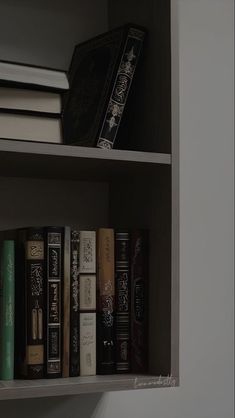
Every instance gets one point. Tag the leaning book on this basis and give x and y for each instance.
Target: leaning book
(100, 76)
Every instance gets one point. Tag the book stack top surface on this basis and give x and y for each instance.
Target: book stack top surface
(29, 75)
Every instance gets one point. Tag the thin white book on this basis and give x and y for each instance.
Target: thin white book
(87, 292)
(87, 344)
(30, 100)
(87, 302)
(31, 75)
(30, 128)
(87, 252)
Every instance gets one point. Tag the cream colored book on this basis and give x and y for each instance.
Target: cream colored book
(30, 100)
(87, 344)
(87, 252)
(30, 128)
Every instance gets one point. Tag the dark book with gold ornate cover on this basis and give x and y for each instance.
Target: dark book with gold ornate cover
(100, 77)
(123, 300)
(74, 367)
(30, 304)
(54, 274)
(139, 301)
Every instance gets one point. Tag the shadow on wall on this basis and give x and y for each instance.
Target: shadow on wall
(81, 406)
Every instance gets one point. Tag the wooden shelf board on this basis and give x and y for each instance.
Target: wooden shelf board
(22, 389)
(34, 159)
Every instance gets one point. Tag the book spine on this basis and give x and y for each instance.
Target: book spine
(54, 284)
(121, 87)
(74, 368)
(139, 301)
(35, 303)
(66, 302)
(105, 302)
(7, 303)
(87, 343)
(87, 302)
(122, 290)
(31, 300)
(87, 252)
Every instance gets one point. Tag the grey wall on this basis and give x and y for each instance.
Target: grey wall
(44, 32)
(206, 238)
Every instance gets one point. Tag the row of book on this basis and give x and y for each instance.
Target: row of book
(83, 106)
(73, 302)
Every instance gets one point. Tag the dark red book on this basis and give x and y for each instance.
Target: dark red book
(139, 301)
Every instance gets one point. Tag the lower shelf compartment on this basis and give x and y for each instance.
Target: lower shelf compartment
(22, 389)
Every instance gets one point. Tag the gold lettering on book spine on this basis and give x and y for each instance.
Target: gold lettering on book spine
(34, 354)
(34, 250)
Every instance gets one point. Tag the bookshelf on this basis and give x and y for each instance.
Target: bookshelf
(25, 159)
(138, 187)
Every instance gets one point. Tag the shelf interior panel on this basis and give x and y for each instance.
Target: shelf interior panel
(147, 204)
(29, 159)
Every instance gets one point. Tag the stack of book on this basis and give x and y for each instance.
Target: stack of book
(95, 92)
(30, 102)
(73, 302)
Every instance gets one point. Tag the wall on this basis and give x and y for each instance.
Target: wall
(206, 238)
(44, 32)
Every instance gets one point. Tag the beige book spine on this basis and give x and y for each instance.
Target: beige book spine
(87, 292)
(106, 272)
(105, 301)
(87, 301)
(87, 259)
(88, 344)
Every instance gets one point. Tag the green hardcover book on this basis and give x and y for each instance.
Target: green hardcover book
(7, 302)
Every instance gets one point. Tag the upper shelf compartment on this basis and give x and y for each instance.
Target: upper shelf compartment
(44, 160)
(146, 123)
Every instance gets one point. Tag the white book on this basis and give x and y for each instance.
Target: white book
(87, 252)
(87, 284)
(30, 75)
(30, 100)
(87, 344)
(30, 128)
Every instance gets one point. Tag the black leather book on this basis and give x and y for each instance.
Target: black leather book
(74, 305)
(30, 304)
(122, 293)
(100, 77)
(54, 275)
